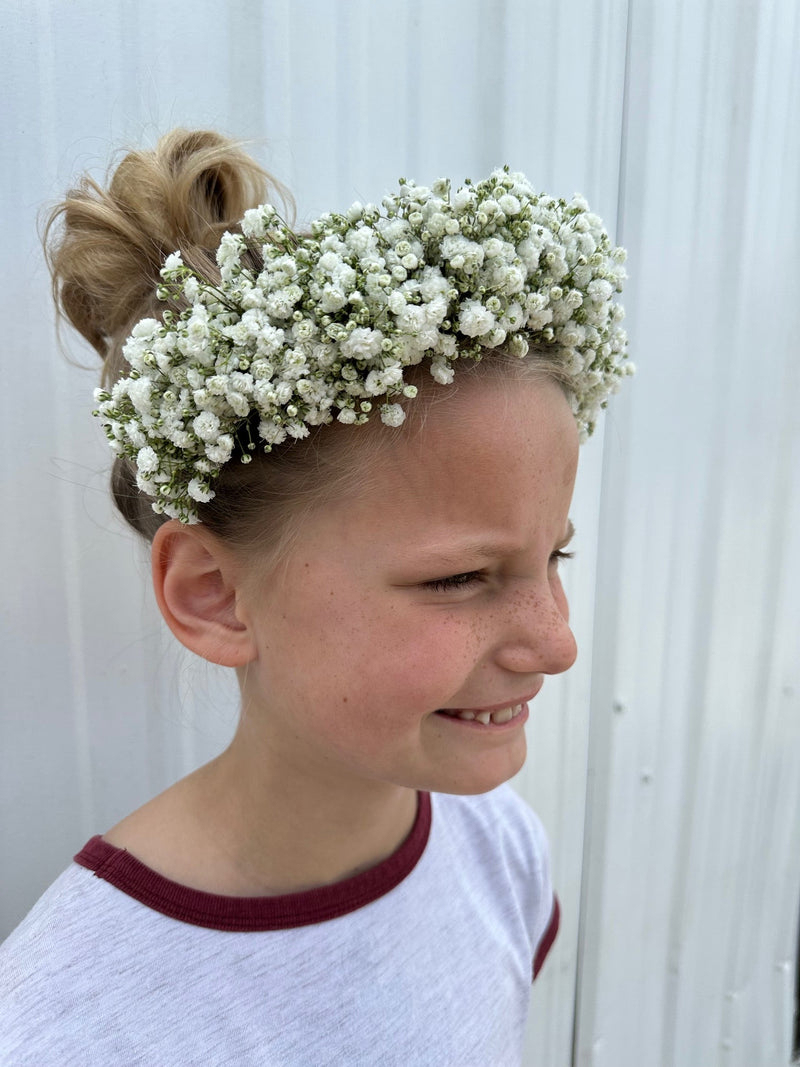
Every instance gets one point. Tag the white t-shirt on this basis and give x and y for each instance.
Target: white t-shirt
(426, 959)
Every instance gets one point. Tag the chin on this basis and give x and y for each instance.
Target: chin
(492, 772)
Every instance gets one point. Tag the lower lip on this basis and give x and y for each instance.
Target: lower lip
(490, 727)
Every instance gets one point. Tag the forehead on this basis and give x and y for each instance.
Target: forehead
(495, 456)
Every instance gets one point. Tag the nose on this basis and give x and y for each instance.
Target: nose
(536, 637)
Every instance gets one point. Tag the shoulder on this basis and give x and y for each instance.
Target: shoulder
(33, 960)
(52, 965)
(53, 918)
(498, 823)
(74, 912)
(498, 844)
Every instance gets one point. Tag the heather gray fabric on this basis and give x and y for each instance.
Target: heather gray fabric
(436, 972)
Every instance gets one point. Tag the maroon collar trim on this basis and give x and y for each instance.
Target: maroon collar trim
(122, 870)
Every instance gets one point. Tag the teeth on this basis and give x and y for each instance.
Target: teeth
(485, 717)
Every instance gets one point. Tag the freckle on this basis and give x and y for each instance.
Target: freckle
(344, 700)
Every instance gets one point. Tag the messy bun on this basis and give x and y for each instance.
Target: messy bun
(105, 248)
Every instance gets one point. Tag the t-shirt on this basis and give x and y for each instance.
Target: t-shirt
(425, 959)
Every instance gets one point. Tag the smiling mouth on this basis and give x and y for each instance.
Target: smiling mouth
(487, 718)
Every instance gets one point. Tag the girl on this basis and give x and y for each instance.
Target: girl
(353, 451)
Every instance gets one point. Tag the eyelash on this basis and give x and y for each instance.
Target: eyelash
(455, 581)
(461, 581)
(560, 555)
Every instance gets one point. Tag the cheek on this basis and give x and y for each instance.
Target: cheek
(401, 658)
(419, 651)
(380, 691)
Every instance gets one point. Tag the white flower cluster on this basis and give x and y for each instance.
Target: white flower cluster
(328, 325)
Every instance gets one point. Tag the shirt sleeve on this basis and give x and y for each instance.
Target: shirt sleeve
(547, 938)
(548, 907)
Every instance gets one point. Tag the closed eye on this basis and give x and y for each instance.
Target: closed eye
(454, 581)
(468, 578)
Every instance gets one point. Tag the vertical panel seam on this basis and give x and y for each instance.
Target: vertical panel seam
(588, 803)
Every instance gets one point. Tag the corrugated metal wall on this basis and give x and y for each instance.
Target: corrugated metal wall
(666, 766)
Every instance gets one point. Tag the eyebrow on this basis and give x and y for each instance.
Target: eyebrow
(454, 556)
(569, 533)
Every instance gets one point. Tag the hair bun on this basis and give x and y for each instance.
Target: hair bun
(105, 248)
(106, 252)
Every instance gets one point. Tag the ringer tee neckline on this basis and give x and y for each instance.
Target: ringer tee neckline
(241, 914)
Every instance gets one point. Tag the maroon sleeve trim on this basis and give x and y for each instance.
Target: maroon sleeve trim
(548, 937)
(122, 870)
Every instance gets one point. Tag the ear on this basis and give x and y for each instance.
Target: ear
(195, 582)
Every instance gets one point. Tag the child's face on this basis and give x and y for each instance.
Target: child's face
(433, 586)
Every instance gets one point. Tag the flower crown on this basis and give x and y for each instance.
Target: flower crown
(327, 326)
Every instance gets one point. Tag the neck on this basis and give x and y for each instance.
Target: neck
(250, 823)
(285, 828)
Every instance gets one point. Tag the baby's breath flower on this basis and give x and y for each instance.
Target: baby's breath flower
(140, 392)
(392, 415)
(474, 319)
(509, 205)
(147, 460)
(362, 344)
(199, 490)
(297, 429)
(462, 199)
(441, 371)
(220, 451)
(147, 329)
(173, 265)
(206, 426)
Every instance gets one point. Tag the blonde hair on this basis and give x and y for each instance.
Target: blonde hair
(105, 248)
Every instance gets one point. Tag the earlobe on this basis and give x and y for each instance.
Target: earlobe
(194, 579)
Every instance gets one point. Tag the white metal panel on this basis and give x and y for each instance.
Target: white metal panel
(694, 838)
(686, 586)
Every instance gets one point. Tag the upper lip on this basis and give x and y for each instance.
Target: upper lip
(512, 703)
